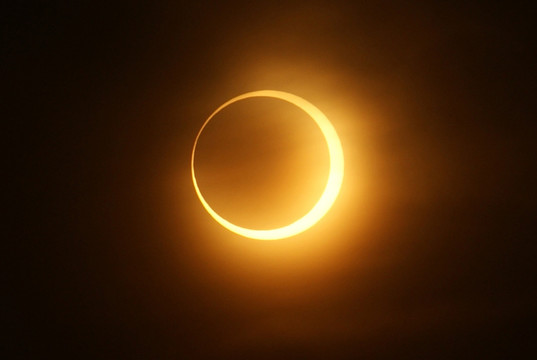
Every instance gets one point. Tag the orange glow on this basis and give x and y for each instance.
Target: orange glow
(333, 184)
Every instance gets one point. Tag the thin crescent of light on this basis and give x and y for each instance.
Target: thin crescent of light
(331, 190)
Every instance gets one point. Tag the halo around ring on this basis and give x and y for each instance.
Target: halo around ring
(333, 184)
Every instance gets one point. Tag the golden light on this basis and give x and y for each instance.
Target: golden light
(333, 184)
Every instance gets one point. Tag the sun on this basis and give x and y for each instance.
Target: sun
(333, 184)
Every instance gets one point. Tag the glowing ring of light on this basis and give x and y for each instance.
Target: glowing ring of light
(331, 189)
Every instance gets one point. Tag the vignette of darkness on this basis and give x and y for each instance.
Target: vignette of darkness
(426, 253)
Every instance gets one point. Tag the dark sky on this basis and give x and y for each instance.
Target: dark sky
(428, 252)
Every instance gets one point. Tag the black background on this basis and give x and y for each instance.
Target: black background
(100, 99)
